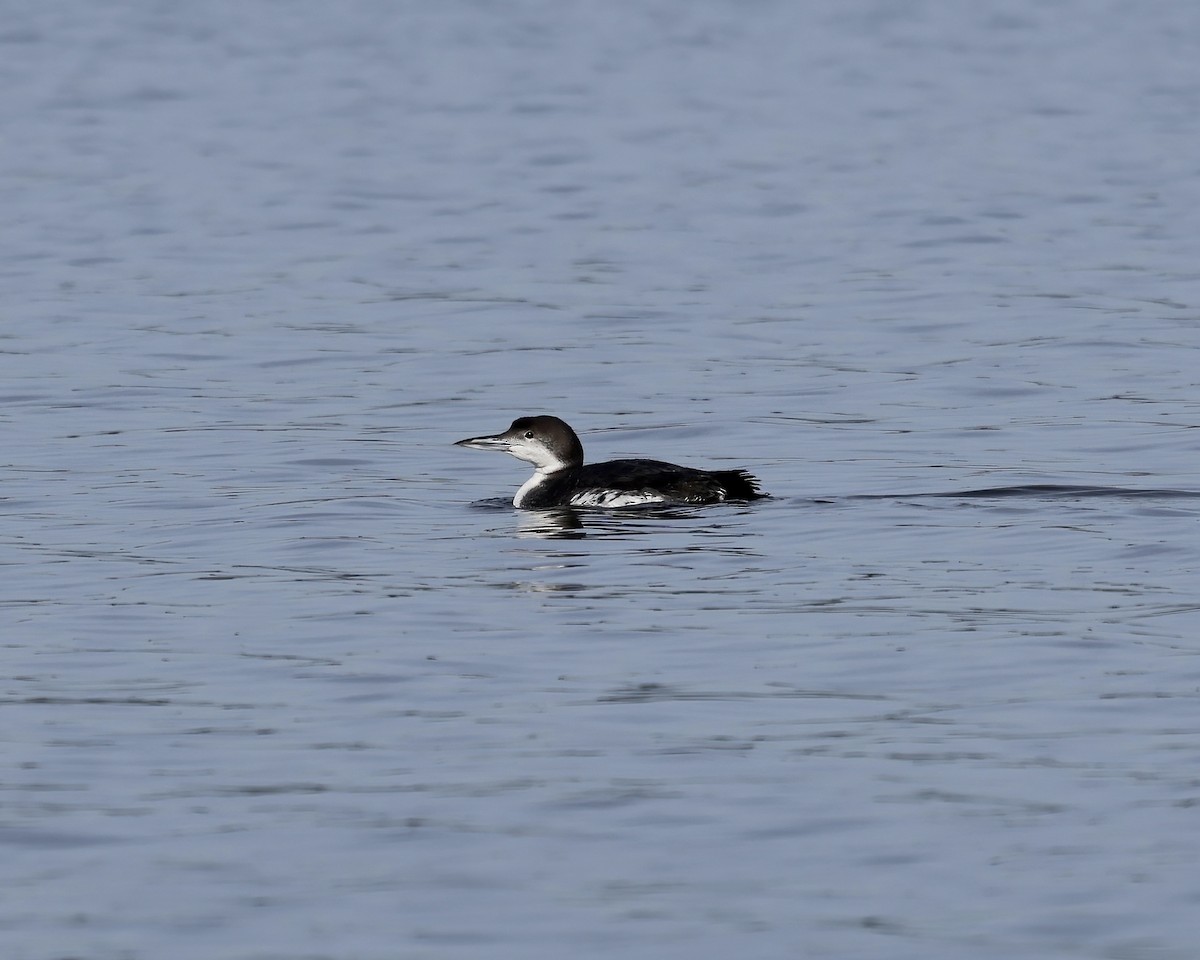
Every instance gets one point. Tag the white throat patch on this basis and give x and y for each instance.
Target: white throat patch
(538, 478)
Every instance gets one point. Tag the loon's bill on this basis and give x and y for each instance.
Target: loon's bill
(561, 479)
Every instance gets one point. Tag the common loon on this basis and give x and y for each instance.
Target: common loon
(561, 479)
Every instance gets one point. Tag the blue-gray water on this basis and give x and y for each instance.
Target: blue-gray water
(277, 686)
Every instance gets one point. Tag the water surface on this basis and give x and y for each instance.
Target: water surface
(284, 677)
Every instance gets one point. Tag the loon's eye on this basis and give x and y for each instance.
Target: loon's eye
(528, 434)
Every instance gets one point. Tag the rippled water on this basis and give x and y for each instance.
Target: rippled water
(286, 677)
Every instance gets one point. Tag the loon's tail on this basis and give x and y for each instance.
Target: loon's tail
(739, 485)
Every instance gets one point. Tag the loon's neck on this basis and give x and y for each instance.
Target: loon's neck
(540, 476)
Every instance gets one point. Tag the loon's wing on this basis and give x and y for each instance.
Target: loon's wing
(667, 481)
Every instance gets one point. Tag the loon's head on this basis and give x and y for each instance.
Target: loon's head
(546, 442)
